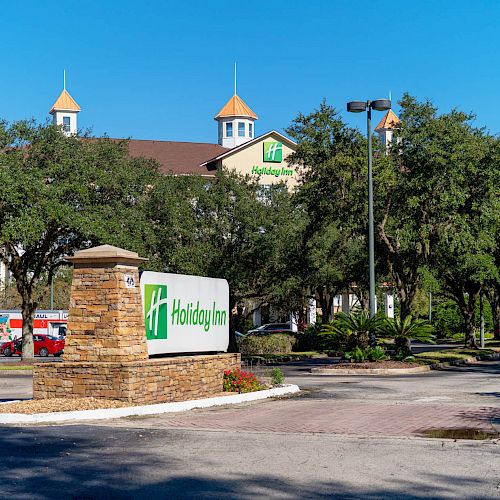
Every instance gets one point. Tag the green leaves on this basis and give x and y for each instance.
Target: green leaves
(407, 328)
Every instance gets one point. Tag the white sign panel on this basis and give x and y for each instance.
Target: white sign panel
(185, 313)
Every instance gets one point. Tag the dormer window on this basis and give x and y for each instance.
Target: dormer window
(229, 130)
(66, 123)
(241, 129)
(250, 130)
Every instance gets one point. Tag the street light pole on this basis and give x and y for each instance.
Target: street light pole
(371, 230)
(358, 107)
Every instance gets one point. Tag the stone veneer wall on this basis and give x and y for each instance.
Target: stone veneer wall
(105, 320)
(143, 382)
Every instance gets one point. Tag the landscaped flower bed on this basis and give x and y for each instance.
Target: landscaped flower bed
(238, 381)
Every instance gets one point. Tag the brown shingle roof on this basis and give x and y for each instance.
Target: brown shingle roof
(177, 157)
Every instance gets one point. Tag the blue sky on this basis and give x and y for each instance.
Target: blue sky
(163, 69)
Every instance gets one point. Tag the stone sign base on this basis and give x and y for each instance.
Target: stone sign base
(142, 382)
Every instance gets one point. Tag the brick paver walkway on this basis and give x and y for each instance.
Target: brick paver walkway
(338, 417)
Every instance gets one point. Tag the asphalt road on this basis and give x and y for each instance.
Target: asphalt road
(87, 462)
(229, 452)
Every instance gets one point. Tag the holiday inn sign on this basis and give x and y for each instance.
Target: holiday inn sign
(185, 313)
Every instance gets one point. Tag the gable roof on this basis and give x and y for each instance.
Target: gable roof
(230, 152)
(389, 121)
(235, 107)
(64, 103)
(176, 157)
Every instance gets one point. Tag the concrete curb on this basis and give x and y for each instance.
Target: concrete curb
(65, 416)
(370, 371)
(400, 371)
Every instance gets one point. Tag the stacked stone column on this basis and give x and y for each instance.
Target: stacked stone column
(105, 317)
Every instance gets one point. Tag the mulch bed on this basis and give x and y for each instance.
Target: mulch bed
(61, 404)
(51, 405)
(377, 364)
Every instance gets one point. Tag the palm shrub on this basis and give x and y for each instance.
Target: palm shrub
(354, 330)
(402, 331)
(358, 355)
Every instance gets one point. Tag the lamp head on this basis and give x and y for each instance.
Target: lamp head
(381, 104)
(356, 106)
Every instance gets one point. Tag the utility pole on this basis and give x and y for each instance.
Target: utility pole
(481, 315)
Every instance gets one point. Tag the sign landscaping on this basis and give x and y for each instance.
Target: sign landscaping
(185, 313)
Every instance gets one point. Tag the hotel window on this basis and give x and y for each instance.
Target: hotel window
(241, 129)
(250, 130)
(229, 130)
(66, 123)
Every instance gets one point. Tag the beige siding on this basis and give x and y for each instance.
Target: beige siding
(250, 160)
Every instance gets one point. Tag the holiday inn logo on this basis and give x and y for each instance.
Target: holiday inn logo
(155, 311)
(273, 151)
(184, 313)
(187, 313)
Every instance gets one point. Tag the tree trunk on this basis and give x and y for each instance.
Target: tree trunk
(28, 312)
(496, 321)
(406, 297)
(325, 302)
(403, 346)
(494, 300)
(470, 336)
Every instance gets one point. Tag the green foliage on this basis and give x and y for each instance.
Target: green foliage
(267, 344)
(358, 355)
(308, 340)
(403, 331)
(447, 319)
(332, 162)
(229, 227)
(453, 354)
(352, 330)
(278, 377)
(61, 194)
(377, 353)
(409, 328)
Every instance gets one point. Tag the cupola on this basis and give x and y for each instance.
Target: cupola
(64, 112)
(386, 126)
(236, 123)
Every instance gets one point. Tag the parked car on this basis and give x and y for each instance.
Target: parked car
(272, 328)
(43, 345)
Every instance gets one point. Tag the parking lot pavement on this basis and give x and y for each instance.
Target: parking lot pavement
(94, 462)
(456, 397)
(344, 437)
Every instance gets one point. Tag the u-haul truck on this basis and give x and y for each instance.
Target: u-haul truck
(46, 322)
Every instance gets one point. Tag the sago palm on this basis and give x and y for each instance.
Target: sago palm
(356, 328)
(403, 331)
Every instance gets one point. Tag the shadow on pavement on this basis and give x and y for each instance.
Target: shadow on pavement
(73, 462)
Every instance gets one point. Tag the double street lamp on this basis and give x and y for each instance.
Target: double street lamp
(360, 107)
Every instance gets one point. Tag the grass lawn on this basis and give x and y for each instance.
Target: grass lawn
(448, 355)
(15, 367)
